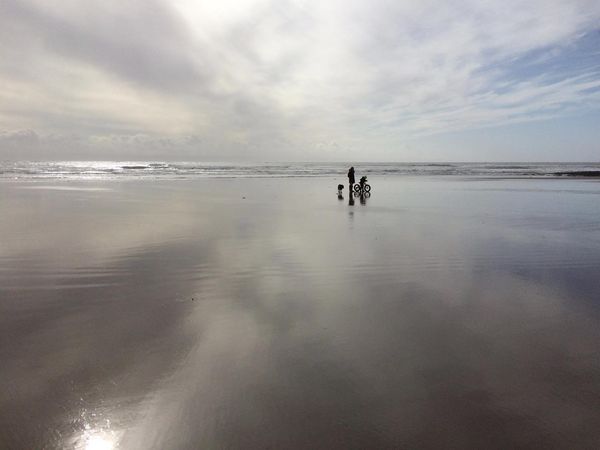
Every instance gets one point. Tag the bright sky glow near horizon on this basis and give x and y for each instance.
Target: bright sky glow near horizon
(405, 80)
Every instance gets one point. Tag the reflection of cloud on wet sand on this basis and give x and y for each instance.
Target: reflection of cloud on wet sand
(90, 355)
(406, 368)
(305, 330)
(50, 221)
(298, 352)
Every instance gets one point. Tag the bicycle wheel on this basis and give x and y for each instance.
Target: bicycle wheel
(357, 188)
(367, 188)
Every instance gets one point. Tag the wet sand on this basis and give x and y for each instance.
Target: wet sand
(267, 313)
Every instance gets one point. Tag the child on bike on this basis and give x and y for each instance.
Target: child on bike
(363, 180)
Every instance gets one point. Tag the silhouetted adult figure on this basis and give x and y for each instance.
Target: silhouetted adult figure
(351, 180)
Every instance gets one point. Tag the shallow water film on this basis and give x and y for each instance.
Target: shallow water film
(271, 313)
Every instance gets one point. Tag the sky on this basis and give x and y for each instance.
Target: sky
(300, 80)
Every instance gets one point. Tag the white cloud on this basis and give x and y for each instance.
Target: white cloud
(277, 76)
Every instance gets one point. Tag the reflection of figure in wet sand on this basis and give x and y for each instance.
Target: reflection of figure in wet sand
(362, 196)
(350, 200)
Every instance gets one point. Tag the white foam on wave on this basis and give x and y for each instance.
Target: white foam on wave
(86, 170)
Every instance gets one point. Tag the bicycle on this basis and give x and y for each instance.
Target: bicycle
(363, 187)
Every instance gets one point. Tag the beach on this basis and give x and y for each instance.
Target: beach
(439, 312)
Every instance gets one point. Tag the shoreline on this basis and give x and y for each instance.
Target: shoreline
(124, 178)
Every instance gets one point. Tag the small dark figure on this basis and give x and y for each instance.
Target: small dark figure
(363, 180)
(340, 189)
(351, 180)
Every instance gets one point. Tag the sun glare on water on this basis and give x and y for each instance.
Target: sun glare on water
(99, 443)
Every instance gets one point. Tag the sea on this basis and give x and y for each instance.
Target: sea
(98, 170)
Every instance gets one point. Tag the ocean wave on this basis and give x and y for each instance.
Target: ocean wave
(153, 169)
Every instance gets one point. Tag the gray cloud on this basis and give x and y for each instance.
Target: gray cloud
(144, 42)
(269, 79)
